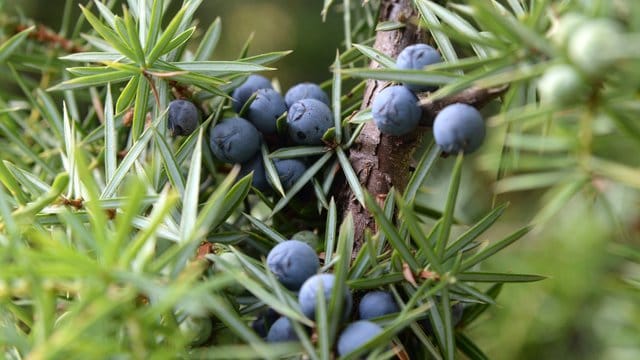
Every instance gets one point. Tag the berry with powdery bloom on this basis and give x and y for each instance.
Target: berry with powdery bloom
(255, 164)
(184, 117)
(308, 295)
(264, 321)
(243, 92)
(281, 331)
(416, 57)
(459, 127)
(566, 25)
(396, 111)
(293, 262)
(375, 304)
(308, 120)
(305, 90)
(234, 140)
(265, 109)
(356, 335)
(289, 171)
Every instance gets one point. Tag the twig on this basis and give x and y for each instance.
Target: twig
(149, 78)
(383, 161)
(474, 96)
(45, 35)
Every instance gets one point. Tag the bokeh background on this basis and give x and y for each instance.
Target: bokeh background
(584, 310)
(272, 24)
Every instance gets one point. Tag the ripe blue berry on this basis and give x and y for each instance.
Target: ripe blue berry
(396, 111)
(289, 171)
(416, 57)
(264, 321)
(255, 164)
(243, 92)
(308, 120)
(357, 334)
(183, 117)
(377, 303)
(293, 262)
(308, 295)
(459, 127)
(234, 140)
(305, 90)
(282, 330)
(265, 109)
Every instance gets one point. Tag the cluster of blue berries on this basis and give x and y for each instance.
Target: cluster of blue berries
(258, 107)
(295, 264)
(395, 109)
(457, 128)
(237, 139)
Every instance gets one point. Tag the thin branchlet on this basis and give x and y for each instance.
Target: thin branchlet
(45, 35)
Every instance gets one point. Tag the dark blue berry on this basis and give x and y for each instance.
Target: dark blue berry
(416, 57)
(396, 111)
(357, 334)
(459, 127)
(293, 262)
(308, 120)
(282, 330)
(255, 164)
(234, 140)
(308, 295)
(184, 117)
(306, 90)
(264, 321)
(243, 92)
(375, 304)
(289, 171)
(265, 109)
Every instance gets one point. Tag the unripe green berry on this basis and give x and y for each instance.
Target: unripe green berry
(562, 85)
(196, 329)
(594, 45)
(567, 24)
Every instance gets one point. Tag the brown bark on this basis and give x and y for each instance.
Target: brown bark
(382, 161)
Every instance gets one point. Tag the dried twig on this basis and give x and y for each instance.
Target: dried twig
(47, 36)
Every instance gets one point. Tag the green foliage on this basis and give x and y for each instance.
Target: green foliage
(112, 231)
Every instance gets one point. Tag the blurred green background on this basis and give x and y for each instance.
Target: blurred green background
(274, 24)
(584, 310)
